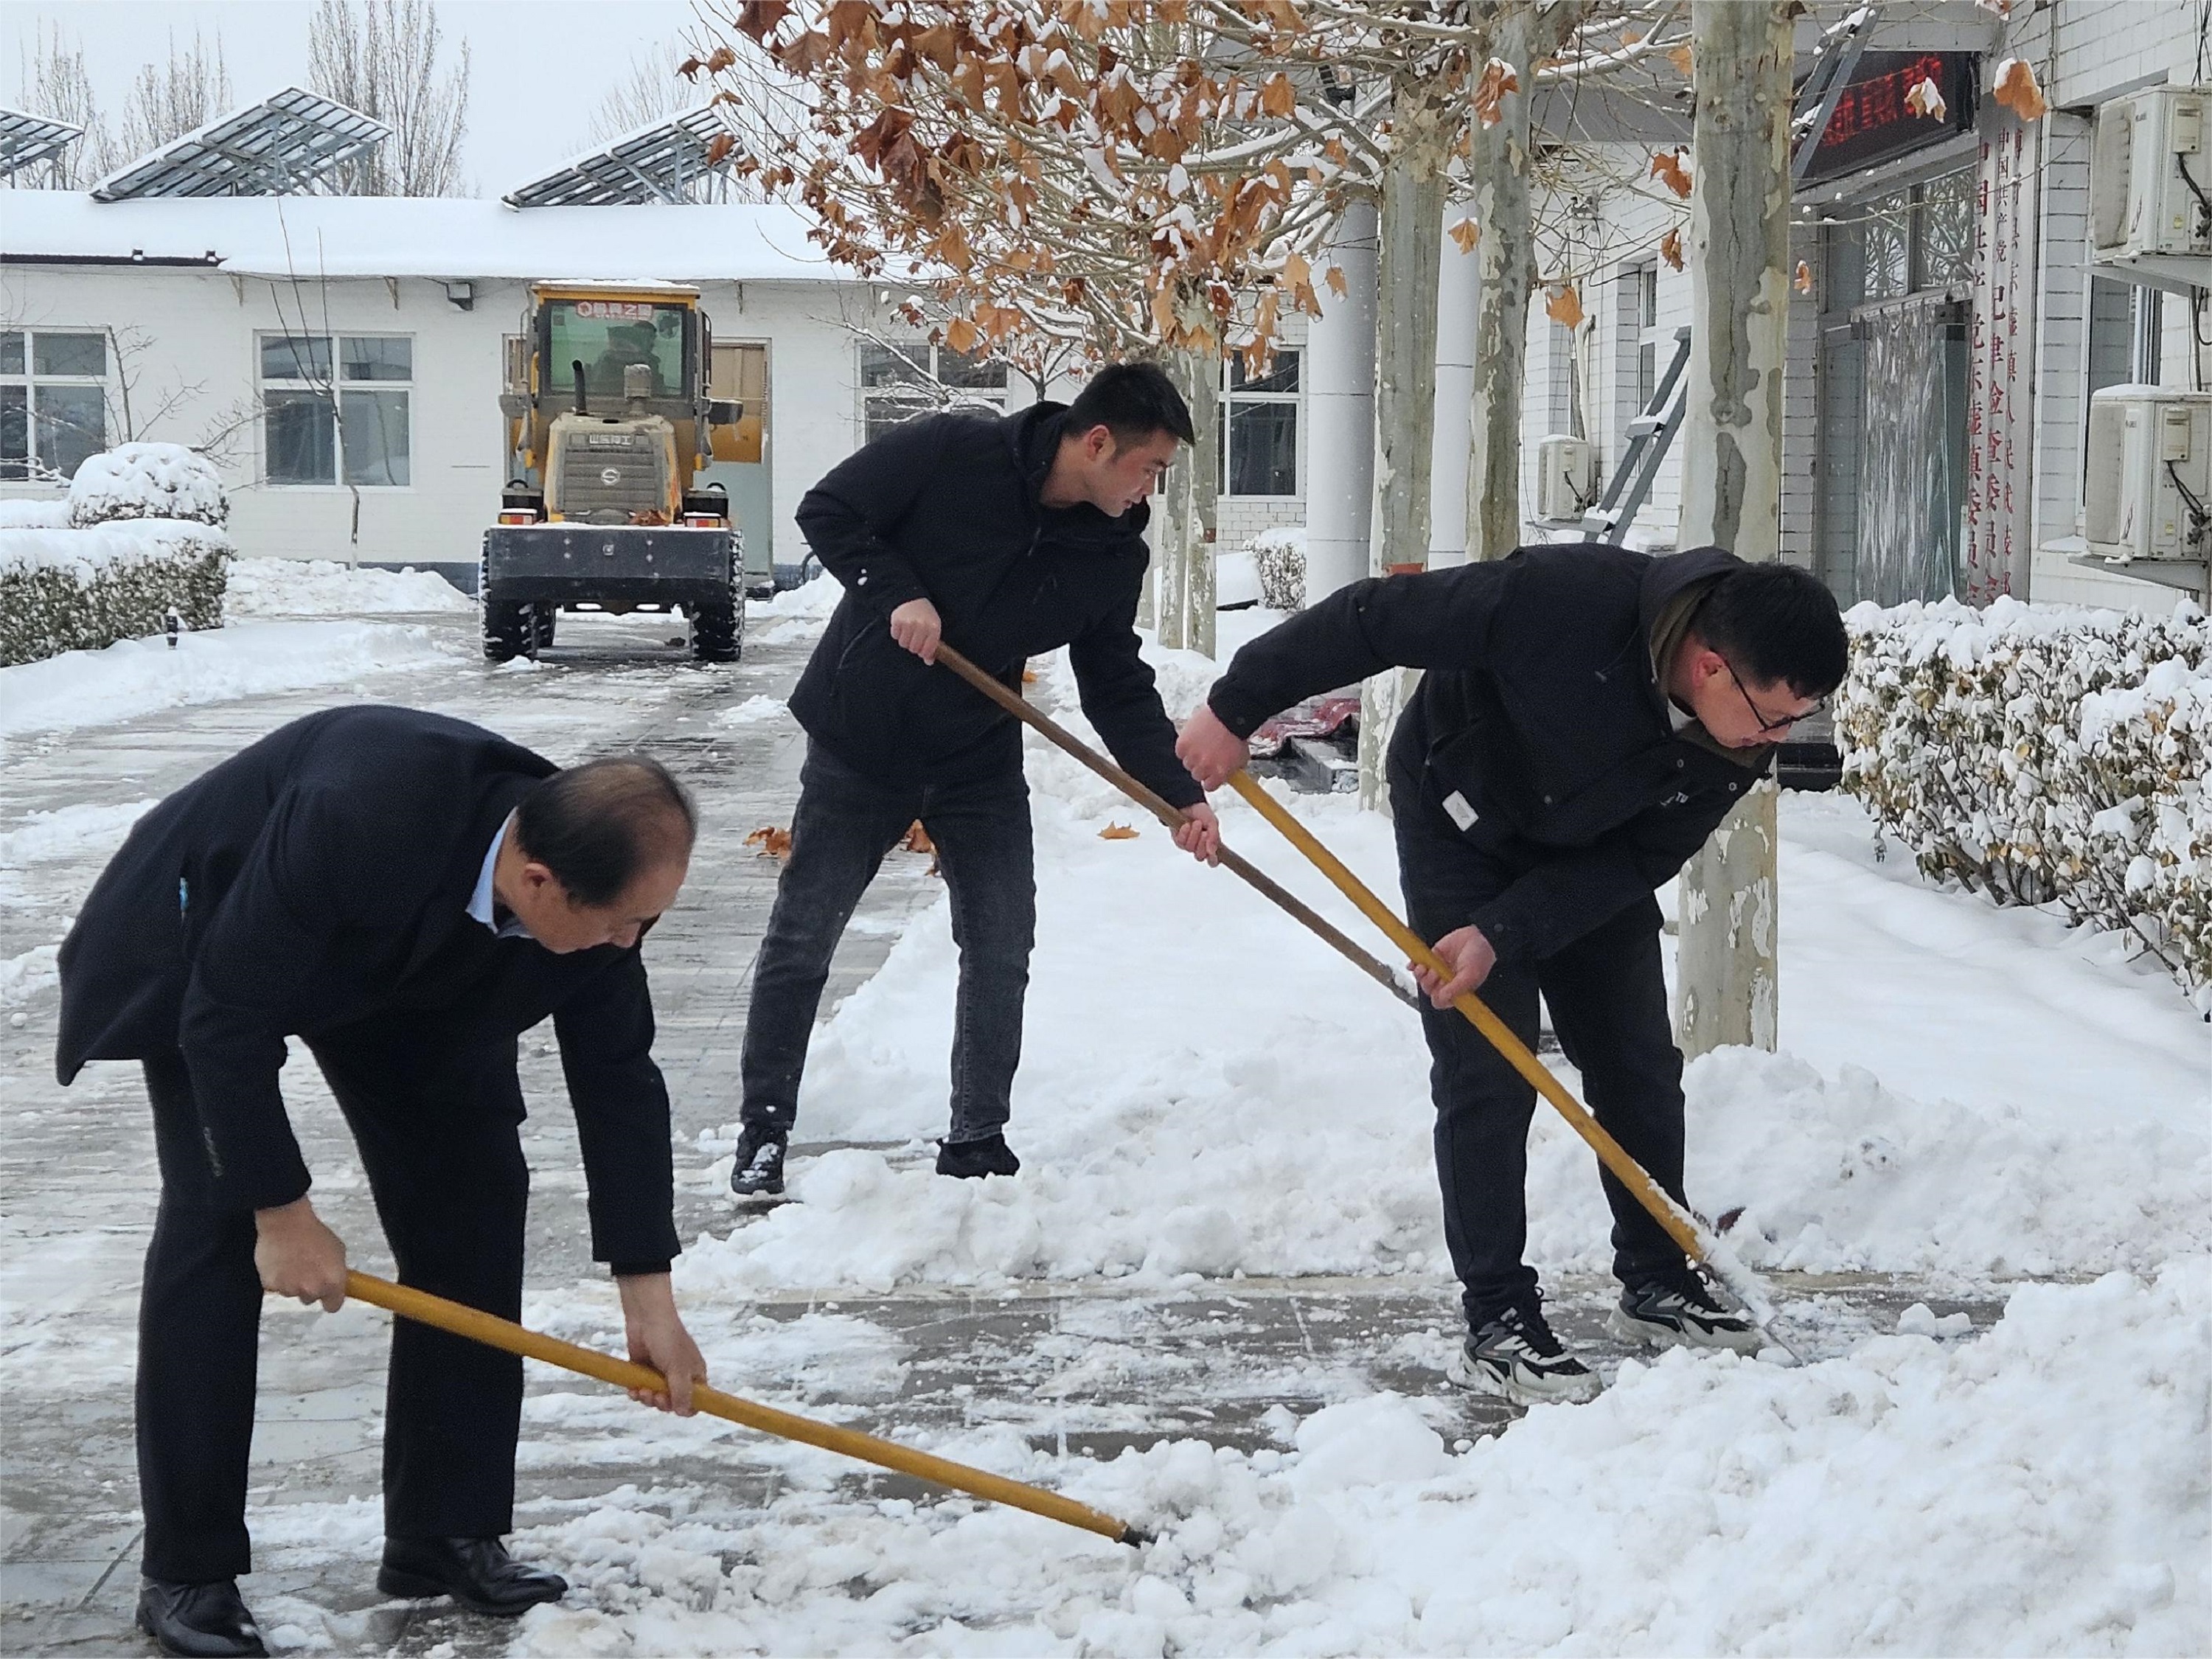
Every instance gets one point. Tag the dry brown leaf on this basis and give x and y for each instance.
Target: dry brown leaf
(1497, 79)
(1467, 233)
(917, 839)
(1566, 307)
(1277, 97)
(1667, 167)
(1670, 248)
(773, 842)
(962, 335)
(1117, 832)
(1337, 284)
(723, 144)
(2016, 89)
(1922, 99)
(1681, 58)
(1804, 282)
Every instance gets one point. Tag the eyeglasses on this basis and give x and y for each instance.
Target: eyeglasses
(1765, 725)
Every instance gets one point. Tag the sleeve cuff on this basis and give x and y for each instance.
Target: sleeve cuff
(1240, 715)
(1504, 931)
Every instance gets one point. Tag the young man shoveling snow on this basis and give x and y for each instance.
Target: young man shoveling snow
(1590, 714)
(1006, 538)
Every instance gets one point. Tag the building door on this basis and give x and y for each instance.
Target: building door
(739, 373)
(1913, 465)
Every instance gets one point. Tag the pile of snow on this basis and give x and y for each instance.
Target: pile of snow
(1236, 580)
(141, 677)
(90, 554)
(70, 832)
(323, 587)
(34, 516)
(146, 481)
(2042, 1489)
(798, 613)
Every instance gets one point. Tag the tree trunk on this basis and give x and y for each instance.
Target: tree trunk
(1499, 166)
(1412, 237)
(1185, 511)
(1726, 984)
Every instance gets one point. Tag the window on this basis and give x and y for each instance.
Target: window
(53, 402)
(607, 336)
(337, 418)
(899, 381)
(1910, 241)
(1644, 291)
(1260, 416)
(1944, 231)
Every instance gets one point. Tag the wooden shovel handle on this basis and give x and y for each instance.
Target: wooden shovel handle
(494, 1332)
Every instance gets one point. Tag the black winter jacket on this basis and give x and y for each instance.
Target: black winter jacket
(946, 508)
(1539, 713)
(316, 884)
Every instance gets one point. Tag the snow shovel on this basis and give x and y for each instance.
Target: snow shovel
(1068, 743)
(1698, 1241)
(505, 1335)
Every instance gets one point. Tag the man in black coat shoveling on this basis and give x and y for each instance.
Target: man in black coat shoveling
(1005, 538)
(1588, 716)
(406, 894)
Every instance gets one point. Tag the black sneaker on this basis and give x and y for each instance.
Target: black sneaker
(1679, 1310)
(1514, 1354)
(758, 1172)
(971, 1159)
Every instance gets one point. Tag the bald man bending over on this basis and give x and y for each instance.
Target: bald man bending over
(406, 894)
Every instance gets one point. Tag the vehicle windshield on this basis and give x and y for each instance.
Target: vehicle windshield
(608, 336)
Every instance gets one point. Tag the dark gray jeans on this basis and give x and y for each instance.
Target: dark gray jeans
(844, 825)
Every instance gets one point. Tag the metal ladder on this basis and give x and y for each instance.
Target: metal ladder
(1649, 435)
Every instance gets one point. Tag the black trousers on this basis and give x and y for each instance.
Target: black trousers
(844, 825)
(439, 1142)
(1608, 997)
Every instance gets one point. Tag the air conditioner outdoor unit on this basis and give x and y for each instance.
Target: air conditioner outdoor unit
(2150, 176)
(2149, 475)
(1563, 478)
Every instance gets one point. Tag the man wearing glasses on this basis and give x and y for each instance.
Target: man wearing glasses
(1588, 716)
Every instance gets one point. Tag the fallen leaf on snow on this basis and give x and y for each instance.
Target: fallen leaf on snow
(917, 839)
(773, 842)
(1117, 832)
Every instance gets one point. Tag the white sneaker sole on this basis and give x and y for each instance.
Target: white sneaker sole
(1480, 1379)
(1645, 1334)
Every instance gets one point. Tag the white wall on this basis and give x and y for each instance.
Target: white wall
(201, 324)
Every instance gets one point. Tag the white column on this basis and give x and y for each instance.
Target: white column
(1457, 295)
(1340, 370)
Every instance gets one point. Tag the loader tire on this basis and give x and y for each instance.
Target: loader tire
(510, 625)
(714, 630)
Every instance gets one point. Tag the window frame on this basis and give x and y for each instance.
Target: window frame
(925, 358)
(30, 378)
(331, 390)
(1233, 395)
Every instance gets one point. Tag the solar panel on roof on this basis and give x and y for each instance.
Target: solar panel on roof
(664, 162)
(25, 139)
(275, 147)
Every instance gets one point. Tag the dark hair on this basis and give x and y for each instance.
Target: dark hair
(1776, 623)
(598, 826)
(1132, 401)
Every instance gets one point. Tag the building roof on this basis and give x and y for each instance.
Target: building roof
(450, 238)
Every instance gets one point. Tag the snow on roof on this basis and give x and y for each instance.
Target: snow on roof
(452, 238)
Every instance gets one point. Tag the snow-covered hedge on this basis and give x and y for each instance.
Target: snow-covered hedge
(146, 481)
(2045, 754)
(82, 590)
(1280, 558)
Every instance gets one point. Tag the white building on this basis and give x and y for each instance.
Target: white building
(1952, 322)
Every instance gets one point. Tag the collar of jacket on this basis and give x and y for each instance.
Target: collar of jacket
(1670, 582)
(1033, 434)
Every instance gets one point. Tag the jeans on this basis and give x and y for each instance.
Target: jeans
(844, 825)
(1608, 1001)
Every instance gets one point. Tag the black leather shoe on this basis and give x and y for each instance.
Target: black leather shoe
(476, 1572)
(206, 1621)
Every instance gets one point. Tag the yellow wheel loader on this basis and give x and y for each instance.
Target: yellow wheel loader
(609, 425)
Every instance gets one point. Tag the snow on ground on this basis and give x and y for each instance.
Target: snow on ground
(323, 587)
(2042, 1490)
(136, 677)
(1949, 1102)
